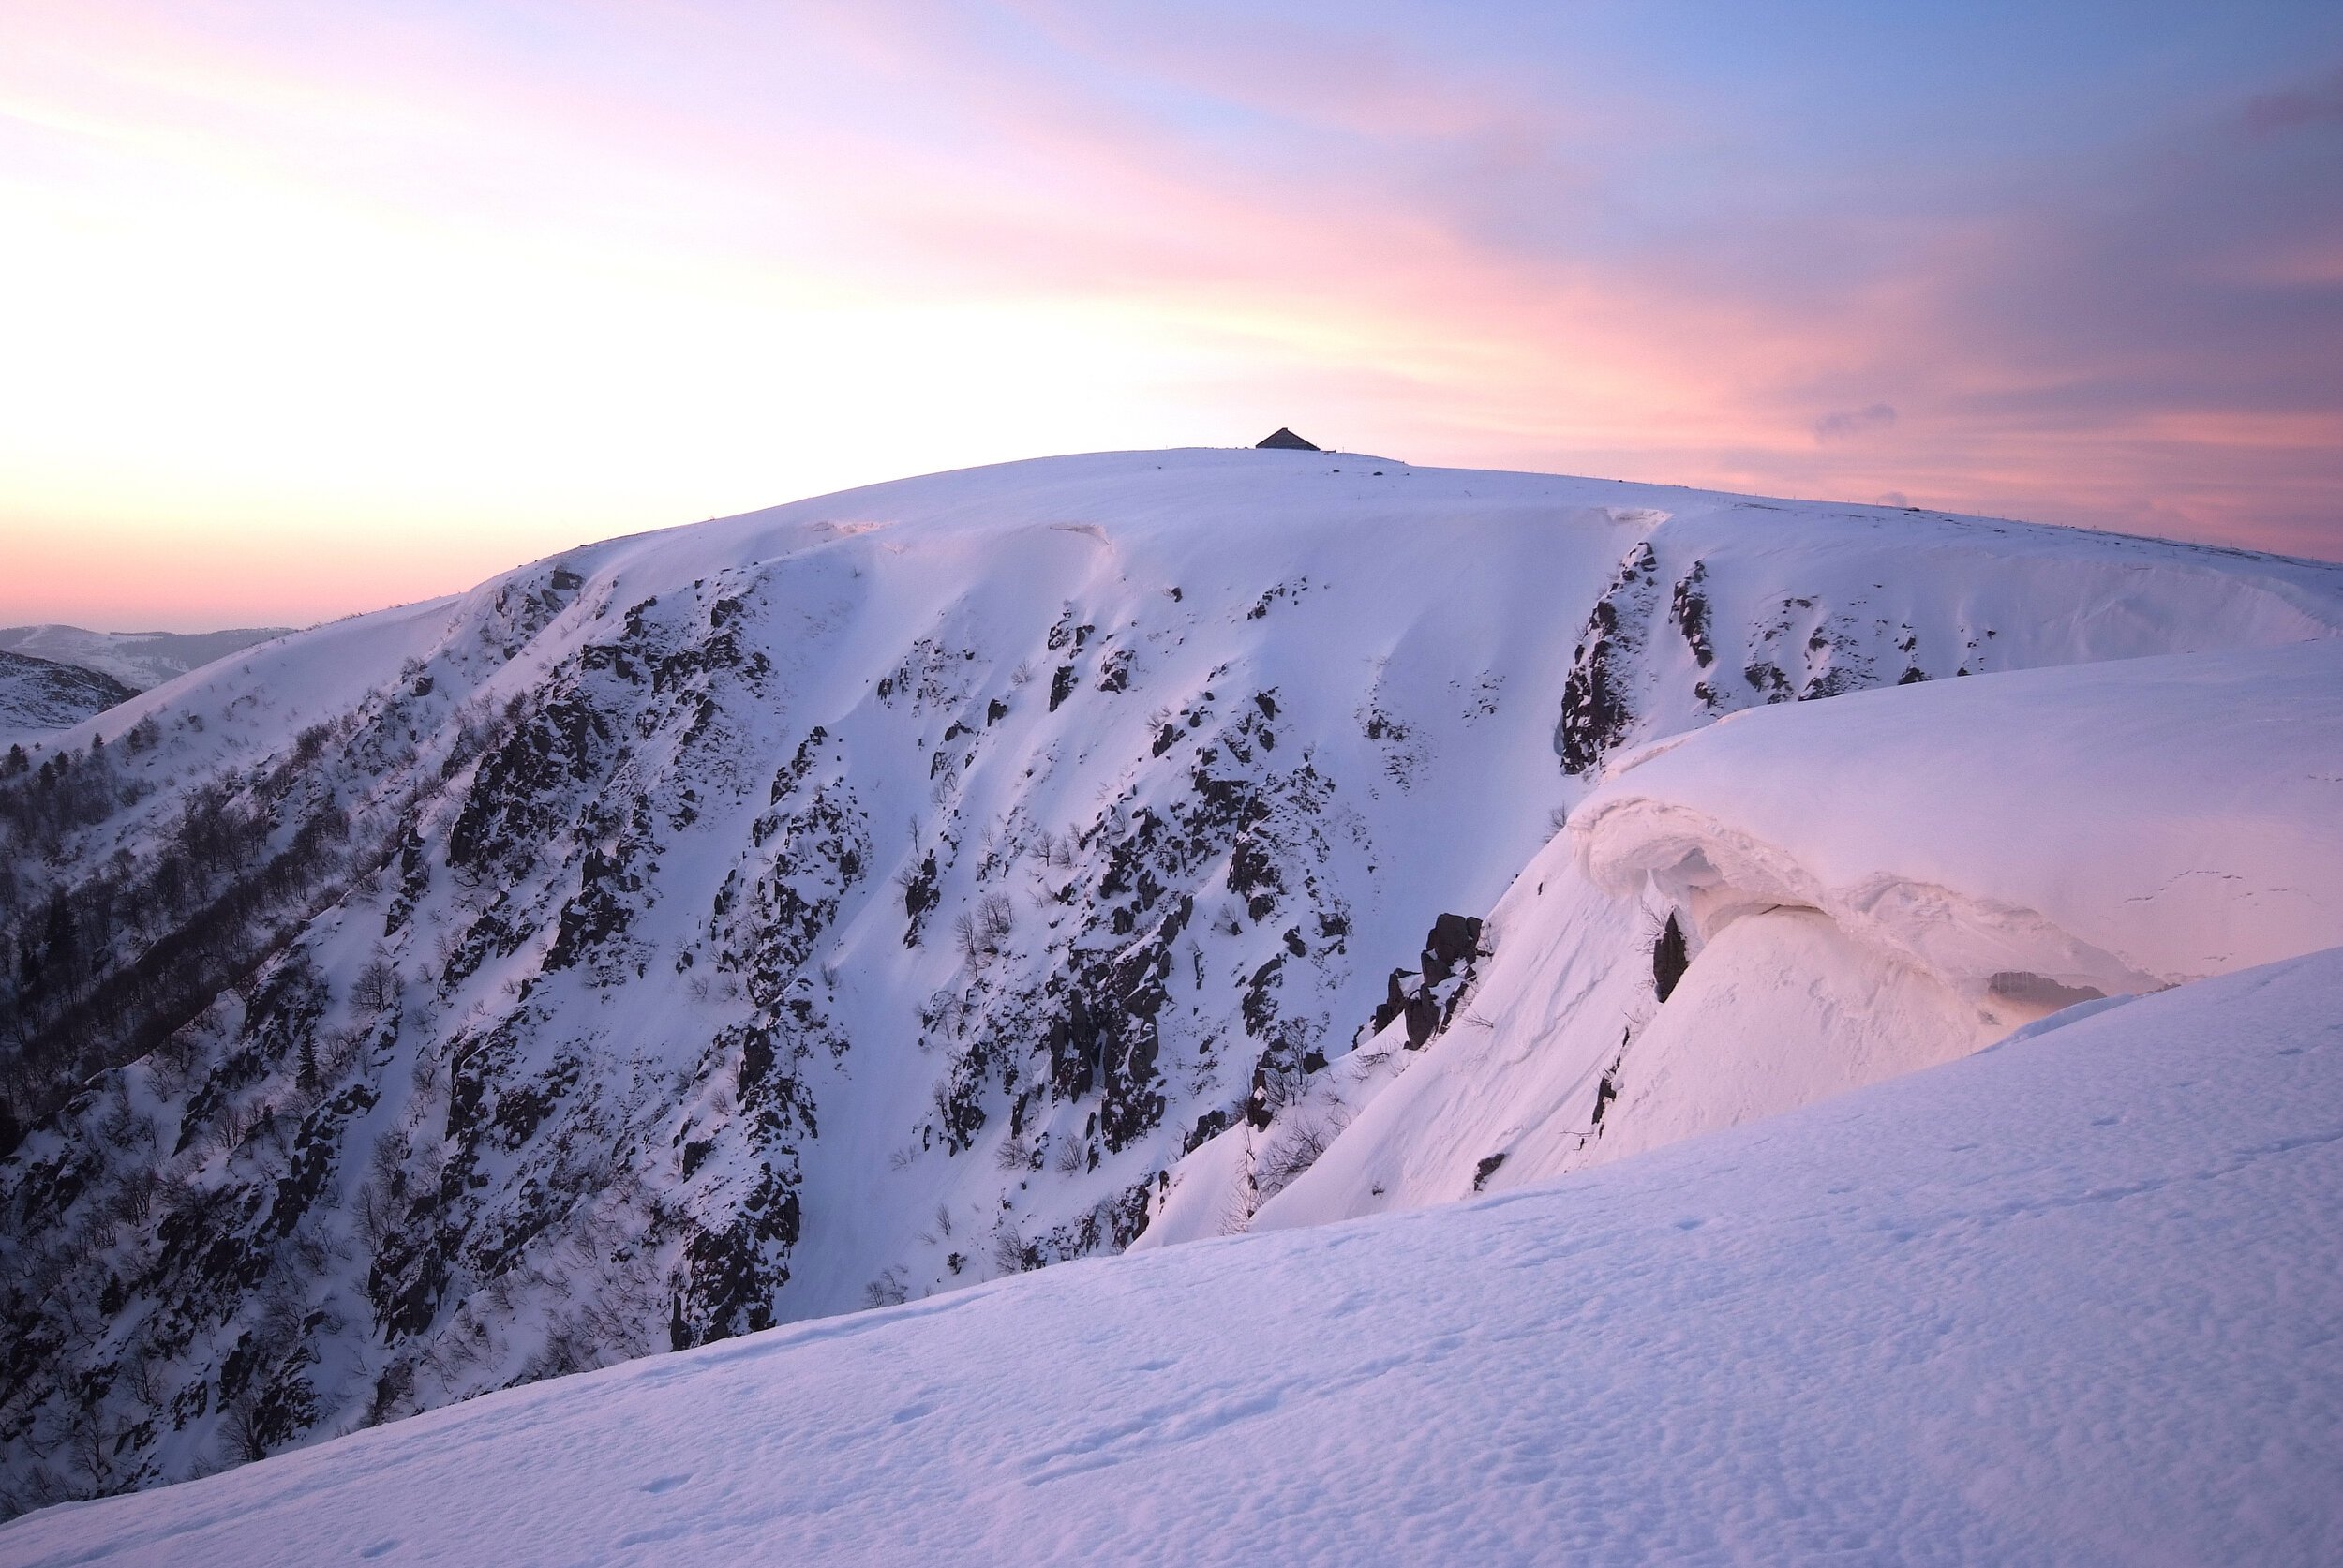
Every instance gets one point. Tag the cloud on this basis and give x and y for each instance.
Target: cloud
(2271, 112)
(1849, 423)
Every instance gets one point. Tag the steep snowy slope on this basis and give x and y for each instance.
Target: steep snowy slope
(138, 660)
(37, 696)
(1861, 888)
(844, 903)
(2071, 1300)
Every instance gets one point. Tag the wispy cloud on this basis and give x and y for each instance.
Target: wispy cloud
(1846, 424)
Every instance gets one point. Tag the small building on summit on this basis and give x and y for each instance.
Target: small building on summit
(1286, 441)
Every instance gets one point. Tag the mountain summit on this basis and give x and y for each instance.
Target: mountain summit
(842, 904)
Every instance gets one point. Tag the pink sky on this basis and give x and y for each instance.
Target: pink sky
(311, 309)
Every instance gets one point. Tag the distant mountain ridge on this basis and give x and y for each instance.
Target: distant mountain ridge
(138, 660)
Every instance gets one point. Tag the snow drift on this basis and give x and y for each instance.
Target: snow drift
(1861, 888)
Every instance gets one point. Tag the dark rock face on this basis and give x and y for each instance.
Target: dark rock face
(1284, 440)
(1595, 707)
(1427, 999)
(364, 1188)
(1668, 959)
(1629, 679)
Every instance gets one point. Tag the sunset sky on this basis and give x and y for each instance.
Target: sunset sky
(307, 308)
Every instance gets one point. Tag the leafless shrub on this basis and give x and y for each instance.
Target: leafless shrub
(142, 1374)
(236, 1125)
(1282, 1087)
(394, 1393)
(133, 1201)
(1295, 1147)
(981, 933)
(175, 1057)
(89, 1445)
(1014, 1154)
(569, 1346)
(1237, 1211)
(312, 1249)
(1008, 1249)
(377, 987)
(240, 1427)
(374, 1216)
(338, 1053)
(946, 1011)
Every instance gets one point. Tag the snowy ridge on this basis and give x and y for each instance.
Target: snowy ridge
(860, 899)
(137, 660)
(2068, 1301)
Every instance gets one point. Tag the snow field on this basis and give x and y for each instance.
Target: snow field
(2068, 1300)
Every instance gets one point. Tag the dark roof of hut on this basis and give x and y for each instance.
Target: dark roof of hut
(1286, 441)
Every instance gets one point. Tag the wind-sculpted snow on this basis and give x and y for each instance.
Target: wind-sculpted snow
(2071, 1300)
(1861, 888)
(847, 902)
(2112, 827)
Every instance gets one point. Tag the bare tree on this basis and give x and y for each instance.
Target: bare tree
(1296, 1147)
(1009, 1249)
(375, 989)
(981, 933)
(240, 1427)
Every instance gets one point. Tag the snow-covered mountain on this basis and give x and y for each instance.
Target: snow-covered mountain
(847, 902)
(138, 660)
(37, 696)
(2070, 1301)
